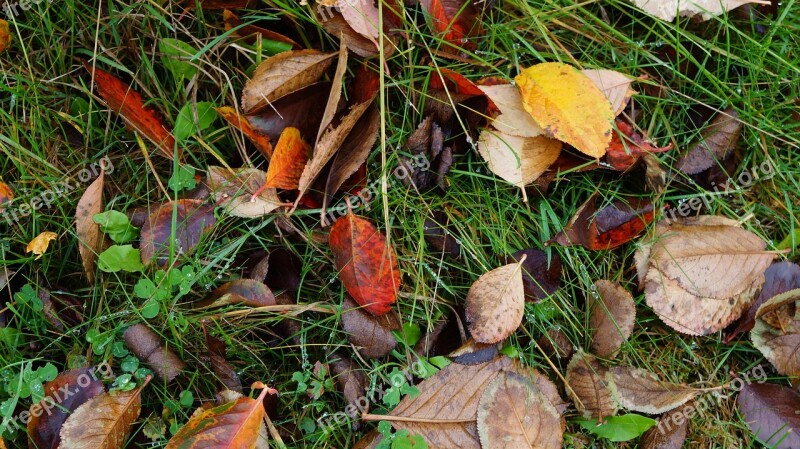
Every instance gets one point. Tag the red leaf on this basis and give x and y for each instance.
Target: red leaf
(456, 20)
(367, 265)
(128, 103)
(610, 227)
(622, 155)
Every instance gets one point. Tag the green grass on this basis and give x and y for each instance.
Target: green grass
(51, 127)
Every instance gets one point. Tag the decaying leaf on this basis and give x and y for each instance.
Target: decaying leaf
(362, 16)
(541, 275)
(40, 243)
(669, 432)
(495, 303)
(129, 104)
(614, 85)
(5, 35)
(715, 143)
(281, 74)
(366, 263)
(103, 422)
(436, 230)
(568, 106)
(627, 147)
(148, 347)
(243, 191)
(286, 165)
(591, 387)
(771, 413)
(430, 160)
(701, 273)
(556, 342)
(372, 335)
(240, 122)
(473, 353)
(669, 9)
(219, 363)
(613, 225)
(281, 269)
(513, 414)
(612, 315)
(642, 391)
(458, 20)
(249, 292)
(194, 219)
(335, 24)
(350, 380)
(777, 332)
(48, 416)
(89, 237)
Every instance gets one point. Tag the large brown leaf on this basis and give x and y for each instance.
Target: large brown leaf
(669, 433)
(771, 413)
(495, 304)
(194, 219)
(148, 347)
(642, 391)
(777, 332)
(103, 422)
(715, 143)
(590, 386)
(611, 318)
(370, 334)
(249, 292)
(89, 236)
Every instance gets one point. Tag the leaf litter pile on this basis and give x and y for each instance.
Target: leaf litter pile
(310, 187)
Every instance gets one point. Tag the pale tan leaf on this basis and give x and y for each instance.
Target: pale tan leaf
(642, 391)
(235, 190)
(89, 236)
(513, 414)
(283, 73)
(611, 319)
(669, 9)
(103, 422)
(513, 118)
(362, 16)
(336, 92)
(590, 386)
(614, 85)
(495, 304)
(777, 332)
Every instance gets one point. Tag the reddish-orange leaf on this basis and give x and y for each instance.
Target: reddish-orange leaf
(240, 122)
(249, 32)
(122, 99)
(457, 20)
(367, 265)
(622, 154)
(234, 425)
(291, 156)
(6, 194)
(610, 227)
(456, 83)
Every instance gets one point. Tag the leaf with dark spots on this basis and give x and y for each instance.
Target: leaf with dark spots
(541, 275)
(771, 413)
(249, 292)
(281, 269)
(627, 147)
(370, 334)
(716, 142)
(437, 233)
(249, 32)
(351, 381)
(63, 395)
(611, 226)
(779, 278)
(301, 109)
(147, 346)
(219, 363)
(194, 219)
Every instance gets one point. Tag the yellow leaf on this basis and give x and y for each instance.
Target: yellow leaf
(567, 105)
(40, 243)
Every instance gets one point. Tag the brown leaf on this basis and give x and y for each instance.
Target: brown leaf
(715, 143)
(350, 380)
(430, 160)
(129, 104)
(701, 273)
(147, 346)
(242, 191)
(590, 386)
(282, 74)
(249, 292)
(770, 412)
(63, 395)
(300, 109)
(541, 277)
(89, 237)
(612, 315)
(556, 342)
(670, 432)
(613, 225)
(249, 32)
(513, 414)
(335, 24)
(281, 269)
(777, 332)
(291, 156)
(495, 304)
(436, 230)
(473, 353)
(5, 41)
(372, 335)
(103, 422)
(642, 391)
(219, 363)
(240, 122)
(193, 220)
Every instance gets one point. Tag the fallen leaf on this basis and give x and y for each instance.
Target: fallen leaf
(249, 292)
(614, 85)
(642, 391)
(89, 236)
(567, 106)
(770, 412)
(194, 219)
(301, 109)
(370, 334)
(627, 147)
(669, 9)
(613, 225)
(291, 156)
(430, 160)
(541, 275)
(436, 230)
(102, 422)
(281, 269)
(611, 318)
(716, 142)
(147, 346)
(40, 243)
(5, 35)
(335, 24)
(701, 273)
(591, 387)
(62, 310)
(362, 16)
(210, 5)
(129, 104)
(473, 353)
(281, 74)
(456, 19)
(495, 303)
(367, 265)
(242, 191)
(556, 342)
(6, 195)
(63, 395)
(219, 363)
(518, 160)
(776, 332)
(670, 430)
(249, 32)
(513, 414)
(229, 426)
(350, 380)
(240, 122)
(513, 119)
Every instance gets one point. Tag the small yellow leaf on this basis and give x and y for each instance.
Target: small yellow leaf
(568, 106)
(40, 243)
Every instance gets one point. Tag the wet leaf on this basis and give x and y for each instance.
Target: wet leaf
(367, 265)
(701, 273)
(194, 219)
(370, 334)
(240, 122)
(129, 104)
(186, 125)
(627, 147)
(541, 277)
(614, 85)
(642, 391)
(242, 191)
(219, 363)
(430, 160)
(350, 380)
(619, 428)
(591, 387)
(669, 9)
(436, 230)
(568, 106)
(670, 429)
(281, 269)
(249, 292)
(89, 237)
(336, 25)
(6, 194)
(776, 332)
(456, 19)
(495, 304)
(362, 16)
(613, 225)
(148, 347)
(120, 258)
(40, 243)
(716, 142)
(612, 315)
(176, 55)
(770, 412)
(291, 156)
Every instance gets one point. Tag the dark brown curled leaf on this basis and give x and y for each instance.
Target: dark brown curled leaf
(249, 292)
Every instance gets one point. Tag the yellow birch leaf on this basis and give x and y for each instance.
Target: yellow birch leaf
(40, 243)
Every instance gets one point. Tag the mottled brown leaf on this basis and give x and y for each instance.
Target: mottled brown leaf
(219, 363)
(103, 422)
(642, 391)
(370, 334)
(611, 317)
(147, 346)
(495, 304)
(194, 219)
(301, 109)
(715, 143)
(590, 386)
(249, 292)
(777, 332)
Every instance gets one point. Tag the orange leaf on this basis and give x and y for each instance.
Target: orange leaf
(128, 103)
(240, 122)
(6, 194)
(622, 155)
(5, 35)
(291, 156)
(455, 19)
(367, 265)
